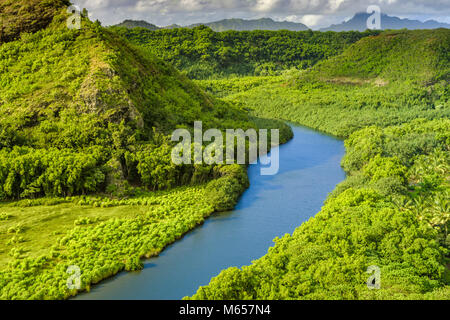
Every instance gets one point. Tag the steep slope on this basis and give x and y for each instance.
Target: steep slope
(94, 76)
(89, 94)
(18, 16)
(359, 23)
(84, 124)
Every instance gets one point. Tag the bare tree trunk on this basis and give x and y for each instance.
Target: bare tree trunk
(1, 28)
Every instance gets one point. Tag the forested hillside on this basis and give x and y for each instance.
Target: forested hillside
(85, 123)
(383, 80)
(388, 95)
(202, 53)
(421, 57)
(90, 97)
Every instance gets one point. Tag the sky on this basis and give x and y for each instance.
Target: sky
(314, 13)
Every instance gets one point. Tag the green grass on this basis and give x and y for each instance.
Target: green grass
(44, 225)
(39, 242)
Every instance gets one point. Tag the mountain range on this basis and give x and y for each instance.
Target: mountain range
(226, 24)
(248, 25)
(357, 23)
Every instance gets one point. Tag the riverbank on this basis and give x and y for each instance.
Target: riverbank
(102, 236)
(391, 212)
(271, 207)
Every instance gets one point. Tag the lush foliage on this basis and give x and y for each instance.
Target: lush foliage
(383, 80)
(419, 56)
(66, 92)
(392, 211)
(111, 237)
(26, 172)
(202, 53)
(85, 112)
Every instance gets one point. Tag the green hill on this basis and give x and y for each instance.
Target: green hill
(421, 56)
(85, 119)
(73, 91)
(130, 24)
(381, 80)
(93, 75)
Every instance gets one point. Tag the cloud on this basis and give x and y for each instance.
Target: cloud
(312, 20)
(311, 12)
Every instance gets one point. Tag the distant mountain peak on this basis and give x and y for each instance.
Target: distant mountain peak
(359, 23)
(137, 24)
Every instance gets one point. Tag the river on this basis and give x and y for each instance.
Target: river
(271, 207)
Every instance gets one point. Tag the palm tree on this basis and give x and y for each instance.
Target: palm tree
(441, 208)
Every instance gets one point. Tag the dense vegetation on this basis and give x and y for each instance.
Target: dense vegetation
(85, 131)
(388, 95)
(86, 177)
(382, 80)
(18, 16)
(202, 53)
(391, 212)
(99, 235)
(69, 93)
(359, 22)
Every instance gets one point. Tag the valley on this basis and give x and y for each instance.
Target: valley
(88, 182)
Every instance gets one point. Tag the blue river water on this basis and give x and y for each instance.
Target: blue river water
(271, 207)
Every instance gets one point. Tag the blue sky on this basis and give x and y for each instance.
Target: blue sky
(314, 13)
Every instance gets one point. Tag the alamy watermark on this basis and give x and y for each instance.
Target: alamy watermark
(374, 21)
(235, 144)
(74, 281)
(374, 281)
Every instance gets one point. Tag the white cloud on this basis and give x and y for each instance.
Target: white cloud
(313, 20)
(265, 5)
